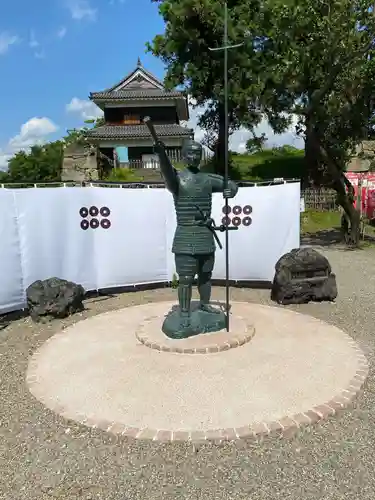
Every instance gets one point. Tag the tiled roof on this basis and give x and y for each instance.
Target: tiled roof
(135, 94)
(137, 131)
(129, 75)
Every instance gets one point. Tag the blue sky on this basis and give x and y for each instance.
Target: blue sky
(54, 52)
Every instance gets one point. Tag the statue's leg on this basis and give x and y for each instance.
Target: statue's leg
(186, 267)
(205, 268)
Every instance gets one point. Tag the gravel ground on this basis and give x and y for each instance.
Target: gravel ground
(43, 456)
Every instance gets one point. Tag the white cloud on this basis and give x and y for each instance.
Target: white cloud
(34, 131)
(289, 137)
(61, 32)
(237, 141)
(33, 42)
(6, 41)
(87, 110)
(81, 10)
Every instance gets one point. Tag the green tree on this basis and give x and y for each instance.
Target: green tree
(78, 135)
(321, 67)
(41, 164)
(4, 177)
(96, 122)
(192, 27)
(256, 143)
(312, 59)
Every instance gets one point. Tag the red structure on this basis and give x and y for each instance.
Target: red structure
(364, 185)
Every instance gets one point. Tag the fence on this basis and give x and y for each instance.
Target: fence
(126, 185)
(321, 200)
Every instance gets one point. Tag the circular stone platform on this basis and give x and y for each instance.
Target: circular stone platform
(150, 334)
(296, 370)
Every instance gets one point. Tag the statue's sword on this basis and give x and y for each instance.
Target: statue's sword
(210, 224)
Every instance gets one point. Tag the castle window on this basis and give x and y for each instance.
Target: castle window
(131, 119)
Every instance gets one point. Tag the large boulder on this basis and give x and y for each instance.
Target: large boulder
(54, 298)
(301, 276)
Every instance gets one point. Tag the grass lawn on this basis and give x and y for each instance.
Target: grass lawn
(323, 228)
(313, 222)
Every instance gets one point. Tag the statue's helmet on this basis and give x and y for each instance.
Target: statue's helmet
(191, 151)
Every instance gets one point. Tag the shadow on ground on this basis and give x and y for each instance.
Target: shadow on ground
(324, 238)
(330, 238)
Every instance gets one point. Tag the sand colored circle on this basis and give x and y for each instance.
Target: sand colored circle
(295, 370)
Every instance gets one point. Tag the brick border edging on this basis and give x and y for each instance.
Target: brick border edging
(284, 427)
(235, 341)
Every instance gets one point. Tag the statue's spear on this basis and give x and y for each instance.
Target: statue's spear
(225, 48)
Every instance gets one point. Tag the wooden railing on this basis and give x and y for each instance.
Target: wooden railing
(153, 164)
(139, 164)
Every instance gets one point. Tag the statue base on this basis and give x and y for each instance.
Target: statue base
(200, 322)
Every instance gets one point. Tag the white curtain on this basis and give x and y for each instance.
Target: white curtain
(108, 237)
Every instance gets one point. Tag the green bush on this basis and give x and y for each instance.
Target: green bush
(4, 177)
(286, 162)
(123, 175)
(212, 167)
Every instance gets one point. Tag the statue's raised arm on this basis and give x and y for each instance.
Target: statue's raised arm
(169, 173)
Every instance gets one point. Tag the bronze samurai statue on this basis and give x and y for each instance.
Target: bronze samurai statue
(194, 239)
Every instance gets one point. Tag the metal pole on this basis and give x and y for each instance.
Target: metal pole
(226, 163)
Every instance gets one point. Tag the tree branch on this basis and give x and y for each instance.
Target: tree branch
(318, 94)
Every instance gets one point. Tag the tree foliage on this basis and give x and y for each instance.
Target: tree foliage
(321, 57)
(312, 59)
(192, 28)
(256, 143)
(40, 164)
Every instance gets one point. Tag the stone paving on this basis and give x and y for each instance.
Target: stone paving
(295, 371)
(43, 456)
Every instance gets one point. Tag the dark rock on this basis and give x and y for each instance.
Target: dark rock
(54, 298)
(303, 275)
